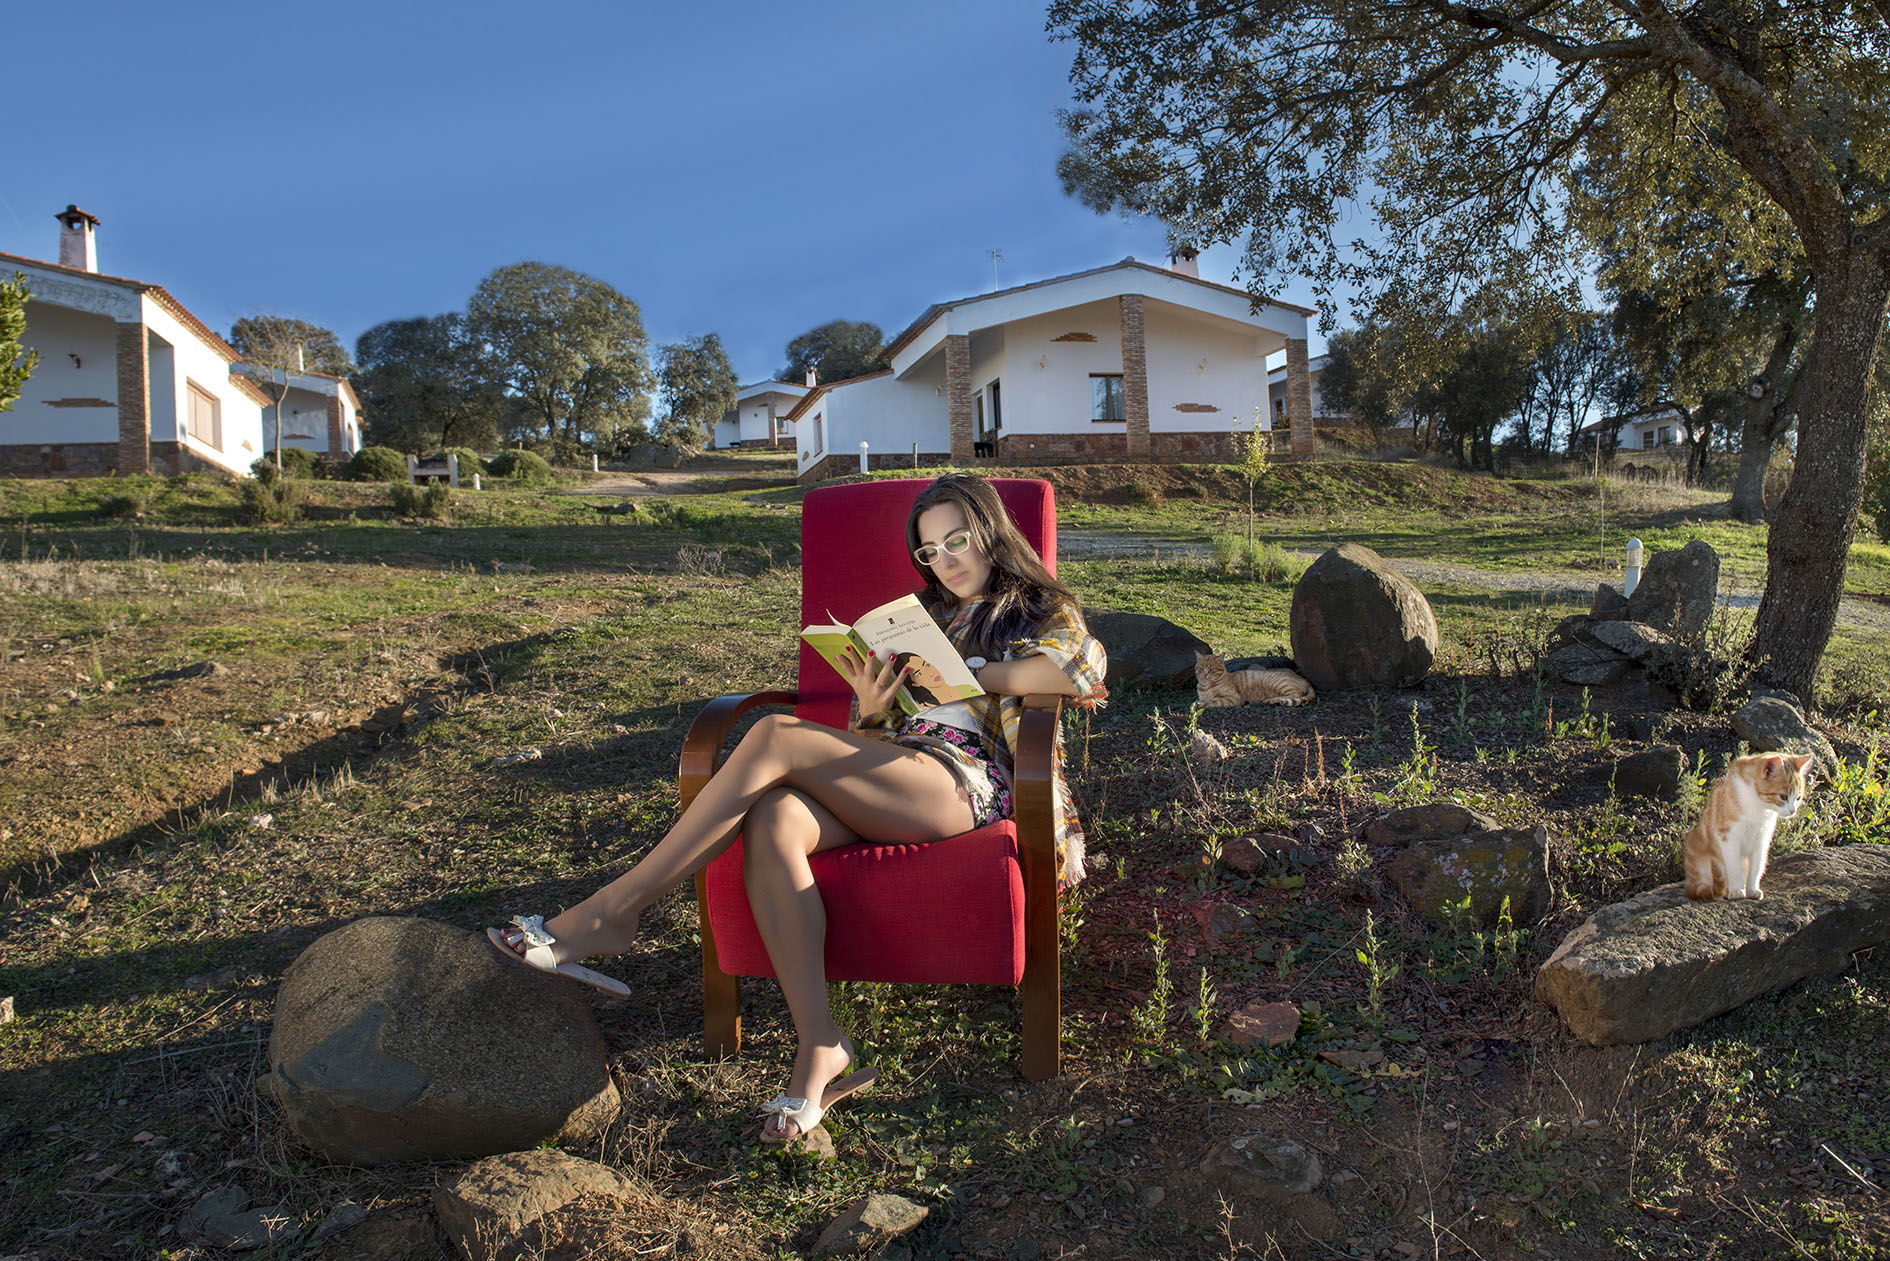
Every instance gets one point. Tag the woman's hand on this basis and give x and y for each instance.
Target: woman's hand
(874, 681)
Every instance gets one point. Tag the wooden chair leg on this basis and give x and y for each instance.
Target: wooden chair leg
(1042, 998)
(721, 993)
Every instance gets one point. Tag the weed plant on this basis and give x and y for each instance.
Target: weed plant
(432, 502)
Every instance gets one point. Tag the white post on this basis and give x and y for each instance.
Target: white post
(862, 457)
(1633, 577)
(452, 469)
(915, 455)
(593, 461)
(475, 481)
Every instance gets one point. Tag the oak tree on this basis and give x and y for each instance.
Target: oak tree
(699, 388)
(835, 351)
(1467, 133)
(280, 335)
(423, 386)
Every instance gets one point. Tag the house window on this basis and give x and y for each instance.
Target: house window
(1666, 437)
(997, 409)
(1647, 440)
(1106, 399)
(204, 422)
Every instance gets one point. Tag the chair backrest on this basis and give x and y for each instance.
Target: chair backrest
(853, 558)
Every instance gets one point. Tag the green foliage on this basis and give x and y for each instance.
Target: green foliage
(1150, 1020)
(434, 502)
(835, 351)
(129, 504)
(295, 462)
(271, 340)
(521, 466)
(568, 347)
(273, 503)
(377, 464)
(1378, 972)
(1877, 498)
(699, 387)
(15, 365)
(424, 384)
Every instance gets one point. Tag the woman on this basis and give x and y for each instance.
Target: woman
(793, 788)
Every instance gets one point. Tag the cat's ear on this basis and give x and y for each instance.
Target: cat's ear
(1774, 765)
(1803, 762)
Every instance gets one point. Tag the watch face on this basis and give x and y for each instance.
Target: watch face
(976, 663)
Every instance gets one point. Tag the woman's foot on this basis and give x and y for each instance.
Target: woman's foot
(528, 940)
(794, 1115)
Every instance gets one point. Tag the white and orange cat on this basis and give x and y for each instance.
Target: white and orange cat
(1217, 686)
(1725, 852)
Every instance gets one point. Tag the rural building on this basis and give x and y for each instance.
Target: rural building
(760, 416)
(1648, 430)
(320, 412)
(129, 381)
(1276, 394)
(1129, 362)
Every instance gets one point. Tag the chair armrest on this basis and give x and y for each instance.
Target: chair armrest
(702, 747)
(1032, 772)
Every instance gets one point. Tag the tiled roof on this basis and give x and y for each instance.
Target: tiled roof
(158, 294)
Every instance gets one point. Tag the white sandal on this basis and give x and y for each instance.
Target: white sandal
(526, 940)
(785, 1108)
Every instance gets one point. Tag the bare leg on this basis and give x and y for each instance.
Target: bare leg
(874, 788)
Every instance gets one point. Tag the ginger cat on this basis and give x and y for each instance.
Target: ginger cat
(1217, 686)
(1725, 852)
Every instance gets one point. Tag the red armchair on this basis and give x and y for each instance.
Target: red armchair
(978, 908)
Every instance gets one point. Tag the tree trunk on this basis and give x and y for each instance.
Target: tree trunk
(1768, 417)
(1810, 540)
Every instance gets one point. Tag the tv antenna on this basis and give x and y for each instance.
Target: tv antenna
(997, 256)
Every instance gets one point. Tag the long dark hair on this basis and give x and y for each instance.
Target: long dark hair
(1021, 593)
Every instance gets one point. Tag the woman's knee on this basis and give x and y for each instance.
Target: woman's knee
(777, 829)
(769, 738)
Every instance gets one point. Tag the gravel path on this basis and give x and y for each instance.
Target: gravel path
(1569, 583)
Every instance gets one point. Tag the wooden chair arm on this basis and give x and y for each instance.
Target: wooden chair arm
(702, 747)
(1035, 809)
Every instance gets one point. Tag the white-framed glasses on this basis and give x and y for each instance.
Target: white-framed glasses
(951, 545)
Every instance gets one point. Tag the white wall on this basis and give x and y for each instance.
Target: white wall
(303, 412)
(240, 415)
(1194, 361)
(888, 414)
(59, 333)
(1046, 389)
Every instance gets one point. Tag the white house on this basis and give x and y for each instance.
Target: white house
(760, 416)
(320, 412)
(1276, 393)
(1664, 425)
(1130, 362)
(129, 381)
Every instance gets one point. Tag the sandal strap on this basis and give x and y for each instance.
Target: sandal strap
(783, 1105)
(532, 928)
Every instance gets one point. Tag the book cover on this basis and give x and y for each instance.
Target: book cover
(903, 631)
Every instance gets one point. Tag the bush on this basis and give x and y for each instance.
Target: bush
(1231, 554)
(521, 466)
(126, 505)
(265, 471)
(377, 464)
(434, 502)
(275, 502)
(469, 461)
(296, 462)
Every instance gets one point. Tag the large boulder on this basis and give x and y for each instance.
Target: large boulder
(1432, 821)
(1657, 963)
(1476, 875)
(1144, 650)
(1772, 725)
(1677, 590)
(403, 1039)
(501, 1207)
(1357, 622)
(1654, 772)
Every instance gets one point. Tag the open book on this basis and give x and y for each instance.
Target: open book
(905, 632)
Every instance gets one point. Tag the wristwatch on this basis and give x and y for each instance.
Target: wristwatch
(976, 663)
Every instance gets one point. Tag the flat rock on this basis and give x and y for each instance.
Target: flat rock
(402, 1039)
(1357, 622)
(1677, 590)
(249, 1229)
(1261, 1024)
(1270, 1181)
(1657, 963)
(1145, 650)
(1432, 821)
(1633, 640)
(1654, 772)
(1482, 870)
(217, 1202)
(497, 1208)
(1771, 724)
(869, 1225)
(1586, 665)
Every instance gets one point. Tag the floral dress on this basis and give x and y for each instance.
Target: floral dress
(987, 743)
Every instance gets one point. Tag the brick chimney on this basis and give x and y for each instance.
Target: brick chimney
(1183, 261)
(76, 245)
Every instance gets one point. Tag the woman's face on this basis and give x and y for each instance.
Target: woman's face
(926, 675)
(964, 575)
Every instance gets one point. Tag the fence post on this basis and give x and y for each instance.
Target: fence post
(862, 457)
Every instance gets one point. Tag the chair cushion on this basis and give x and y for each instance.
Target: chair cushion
(924, 914)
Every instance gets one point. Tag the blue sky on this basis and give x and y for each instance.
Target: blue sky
(741, 168)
